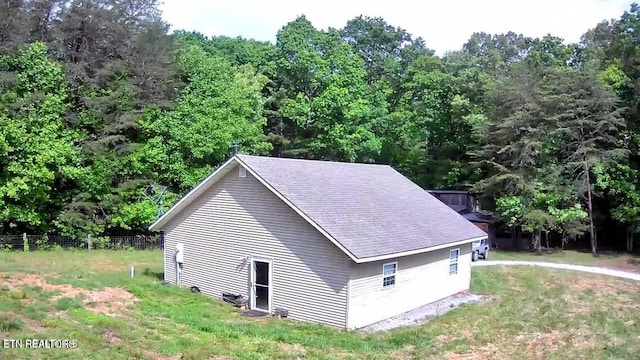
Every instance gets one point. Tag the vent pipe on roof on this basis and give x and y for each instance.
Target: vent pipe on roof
(234, 146)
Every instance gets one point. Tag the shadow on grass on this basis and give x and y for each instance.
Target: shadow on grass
(153, 274)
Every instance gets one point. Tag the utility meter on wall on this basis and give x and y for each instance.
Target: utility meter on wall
(179, 254)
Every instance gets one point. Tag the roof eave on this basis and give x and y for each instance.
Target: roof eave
(418, 251)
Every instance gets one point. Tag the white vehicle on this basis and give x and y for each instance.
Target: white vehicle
(480, 248)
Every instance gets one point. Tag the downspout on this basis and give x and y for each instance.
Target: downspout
(346, 313)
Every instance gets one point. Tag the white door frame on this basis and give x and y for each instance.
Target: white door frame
(252, 273)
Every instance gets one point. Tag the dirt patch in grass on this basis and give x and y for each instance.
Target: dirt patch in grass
(18, 281)
(34, 326)
(292, 349)
(540, 344)
(447, 338)
(340, 354)
(112, 338)
(487, 352)
(598, 285)
(113, 301)
(514, 284)
(155, 356)
(404, 353)
(607, 295)
(603, 295)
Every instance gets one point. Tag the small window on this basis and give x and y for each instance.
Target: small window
(389, 274)
(453, 261)
(242, 172)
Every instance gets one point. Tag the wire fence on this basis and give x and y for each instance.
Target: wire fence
(26, 242)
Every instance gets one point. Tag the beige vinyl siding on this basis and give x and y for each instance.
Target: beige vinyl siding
(420, 279)
(238, 218)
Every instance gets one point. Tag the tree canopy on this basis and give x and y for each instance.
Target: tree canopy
(101, 108)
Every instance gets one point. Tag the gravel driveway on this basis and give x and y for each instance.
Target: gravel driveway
(589, 269)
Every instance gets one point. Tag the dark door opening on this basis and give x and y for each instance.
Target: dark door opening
(261, 285)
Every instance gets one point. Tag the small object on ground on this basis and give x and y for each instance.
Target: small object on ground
(235, 299)
(280, 313)
(194, 289)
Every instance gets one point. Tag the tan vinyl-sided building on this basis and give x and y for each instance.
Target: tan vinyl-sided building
(341, 244)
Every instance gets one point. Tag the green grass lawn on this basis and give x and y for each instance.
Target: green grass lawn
(619, 261)
(531, 313)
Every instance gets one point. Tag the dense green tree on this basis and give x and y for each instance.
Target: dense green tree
(220, 104)
(327, 98)
(589, 120)
(38, 156)
(546, 133)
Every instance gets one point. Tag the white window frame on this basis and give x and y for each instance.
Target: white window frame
(385, 277)
(242, 172)
(454, 261)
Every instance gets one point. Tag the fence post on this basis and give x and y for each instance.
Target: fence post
(88, 241)
(25, 242)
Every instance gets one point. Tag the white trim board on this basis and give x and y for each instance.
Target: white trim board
(419, 251)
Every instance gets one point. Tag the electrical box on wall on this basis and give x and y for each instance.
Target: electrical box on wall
(179, 253)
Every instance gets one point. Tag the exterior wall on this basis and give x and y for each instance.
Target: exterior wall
(482, 225)
(239, 218)
(420, 279)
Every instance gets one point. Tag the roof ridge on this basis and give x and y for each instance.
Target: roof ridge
(310, 160)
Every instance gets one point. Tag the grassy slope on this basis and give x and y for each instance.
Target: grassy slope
(533, 313)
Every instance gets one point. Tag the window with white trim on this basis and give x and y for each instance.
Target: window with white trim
(453, 261)
(389, 274)
(242, 172)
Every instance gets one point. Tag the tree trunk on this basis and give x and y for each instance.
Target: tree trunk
(629, 239)
(546, 239)
(536, 241)
(594, 247)
(514, 240)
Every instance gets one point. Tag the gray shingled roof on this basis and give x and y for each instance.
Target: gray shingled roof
(371, 210)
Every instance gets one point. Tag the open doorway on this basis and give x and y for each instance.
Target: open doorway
(261, 285)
